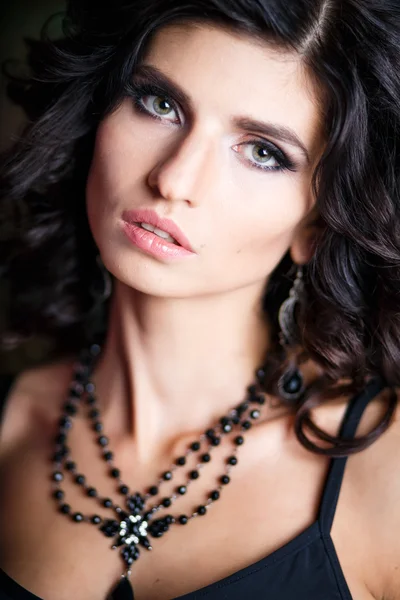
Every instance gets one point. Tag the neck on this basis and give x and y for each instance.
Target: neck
(171, 367)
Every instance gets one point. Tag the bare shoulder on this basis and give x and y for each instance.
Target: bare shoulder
(35, 397)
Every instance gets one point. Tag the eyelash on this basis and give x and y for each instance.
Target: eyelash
(138, 91)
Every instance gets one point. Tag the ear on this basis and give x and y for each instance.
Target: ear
(305, 238)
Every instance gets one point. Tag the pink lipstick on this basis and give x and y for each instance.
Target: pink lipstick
(151, 243)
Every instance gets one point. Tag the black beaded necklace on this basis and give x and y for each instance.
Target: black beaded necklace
(133, 524)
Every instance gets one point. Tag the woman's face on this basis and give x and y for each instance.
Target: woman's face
(238, 190)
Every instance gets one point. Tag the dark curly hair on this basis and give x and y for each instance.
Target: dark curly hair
(350, 324)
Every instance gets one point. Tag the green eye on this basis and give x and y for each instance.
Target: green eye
(161, 106)
(260, 153)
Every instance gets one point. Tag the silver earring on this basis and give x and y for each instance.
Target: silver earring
(286, 316)
(291, 383)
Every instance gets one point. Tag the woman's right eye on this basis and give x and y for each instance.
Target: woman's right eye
(159, 107)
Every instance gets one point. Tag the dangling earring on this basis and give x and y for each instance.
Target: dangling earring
(291, 383)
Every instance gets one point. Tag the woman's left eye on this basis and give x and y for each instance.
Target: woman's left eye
(263, 156)
(158, 106)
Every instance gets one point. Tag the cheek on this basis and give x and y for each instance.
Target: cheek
(268, 212)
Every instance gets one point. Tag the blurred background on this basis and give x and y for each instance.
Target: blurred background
(20, 19)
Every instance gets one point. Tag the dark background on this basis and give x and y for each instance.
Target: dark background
(19, 19)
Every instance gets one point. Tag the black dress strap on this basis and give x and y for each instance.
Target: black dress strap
(351, 419)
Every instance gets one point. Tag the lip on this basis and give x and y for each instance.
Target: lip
(149, 242)
(149, 216)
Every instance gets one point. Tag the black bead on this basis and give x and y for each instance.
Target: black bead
(181, 489)
(169, 519)
(210, 433)
(292, 382)
(70, 409)
(153, 490)
(107, 502)
(96, 520)
(243, 406)
(115, 473)
(80, 479)
(64, 450)
(166, 502)
(214, 495)
(252, 389)
(108, 456)
(58, 456)
(73, 393)
(235, 419)
(194, 474)
(65, 423)
(95, 350)
(61, 438)
(215, 441)
(135, 503)
(92, 492)
(181, 461)
(260, 374)
(225, 479)
(183, 519)
(260, 400)
(195, 446)
(201, 510)
(94, 413)
(58, 476)
(239, 440)
(255, 414)
(167, 475)
(103, 440)
(77, 517)
(98, 427)
(232, 460)
(90, 400)
(224, 421)
(58, 494)
(246, 425)
(123, 489)
(70, 465)
(156, 533)
(110, 527)
(65, 508)
(206, 457)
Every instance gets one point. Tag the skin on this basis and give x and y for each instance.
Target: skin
(199, 170)
(184, 339)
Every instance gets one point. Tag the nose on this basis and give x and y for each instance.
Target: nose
(180, 175)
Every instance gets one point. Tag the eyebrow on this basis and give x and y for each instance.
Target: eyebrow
(280, 132)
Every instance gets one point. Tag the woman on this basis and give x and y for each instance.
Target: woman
(202, 216)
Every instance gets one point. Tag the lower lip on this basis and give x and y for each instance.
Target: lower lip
(153, 244)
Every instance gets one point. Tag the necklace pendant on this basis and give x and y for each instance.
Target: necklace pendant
(129, 533)
(122, 591)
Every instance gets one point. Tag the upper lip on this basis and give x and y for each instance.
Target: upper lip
(149, 216)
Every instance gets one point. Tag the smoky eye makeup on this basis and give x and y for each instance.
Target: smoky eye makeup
(138, 89)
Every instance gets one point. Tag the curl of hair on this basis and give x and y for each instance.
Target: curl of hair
(350, 322)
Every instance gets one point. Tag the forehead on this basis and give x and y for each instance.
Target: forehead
(229, 74)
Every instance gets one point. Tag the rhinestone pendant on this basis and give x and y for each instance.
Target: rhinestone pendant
(129, 533)
(122, 591)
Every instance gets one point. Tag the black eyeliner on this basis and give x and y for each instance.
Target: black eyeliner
(140, 89)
